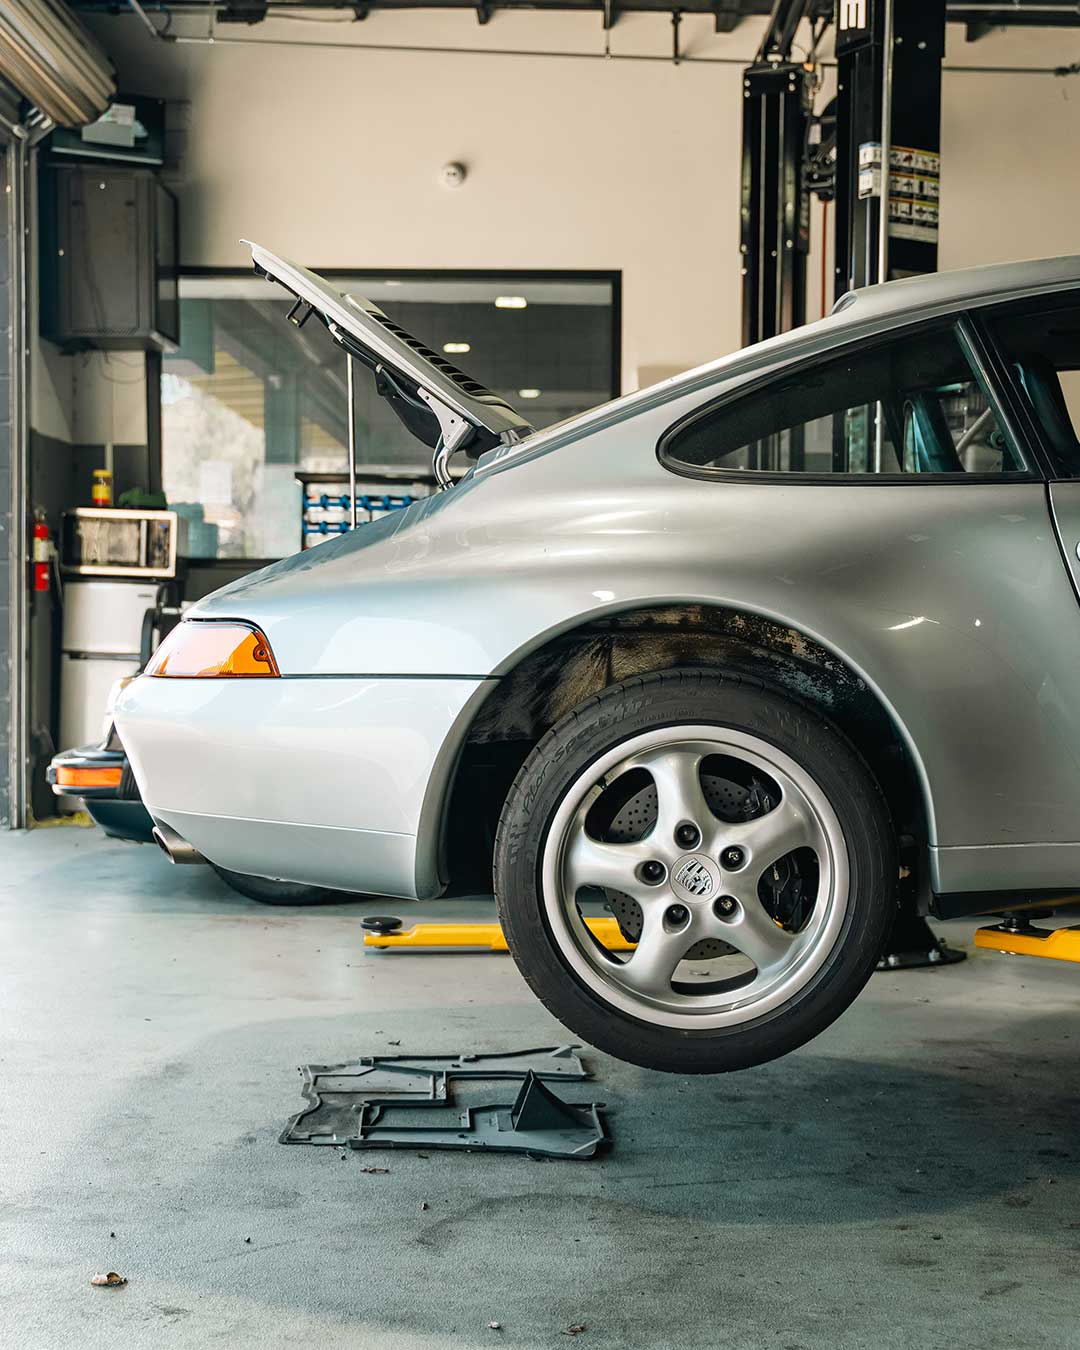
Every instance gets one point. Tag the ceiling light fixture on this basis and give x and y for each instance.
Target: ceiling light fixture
(453, 348)
(528, 393)
(510, 302)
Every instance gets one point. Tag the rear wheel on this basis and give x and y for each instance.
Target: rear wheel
(269, 892)
(740, 842)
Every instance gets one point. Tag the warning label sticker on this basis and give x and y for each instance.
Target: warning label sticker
(914, 188)
(914, 194)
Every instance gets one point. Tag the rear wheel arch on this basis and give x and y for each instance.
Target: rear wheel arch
(542, 683)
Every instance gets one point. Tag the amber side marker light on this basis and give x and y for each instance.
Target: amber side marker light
(86, 778)
(211, 650)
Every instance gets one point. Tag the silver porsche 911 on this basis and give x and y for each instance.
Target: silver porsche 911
(743, 660)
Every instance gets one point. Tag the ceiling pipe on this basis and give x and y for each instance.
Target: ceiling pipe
(780, 12)
(686, 58)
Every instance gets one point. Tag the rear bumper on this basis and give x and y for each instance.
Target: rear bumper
(122, 819)
(329, 782)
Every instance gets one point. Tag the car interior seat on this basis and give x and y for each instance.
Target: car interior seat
(1043, 388)
(928, 443)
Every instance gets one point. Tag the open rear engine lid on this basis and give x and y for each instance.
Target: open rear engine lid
(441, 405)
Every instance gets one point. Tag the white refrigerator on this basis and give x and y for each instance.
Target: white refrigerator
(102, 629)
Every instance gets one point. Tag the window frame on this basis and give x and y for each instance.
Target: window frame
(986, 367)
(1026, 416)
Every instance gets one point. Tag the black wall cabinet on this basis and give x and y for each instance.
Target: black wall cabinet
(109, 259)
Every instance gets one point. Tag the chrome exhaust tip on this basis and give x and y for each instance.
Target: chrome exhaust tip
(177, 850)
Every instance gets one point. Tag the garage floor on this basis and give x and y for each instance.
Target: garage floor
(910, 1179)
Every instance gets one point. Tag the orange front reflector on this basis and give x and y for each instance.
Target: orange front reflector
(88, 777)
(209, 650)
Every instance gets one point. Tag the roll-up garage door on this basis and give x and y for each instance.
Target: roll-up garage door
(53, 61)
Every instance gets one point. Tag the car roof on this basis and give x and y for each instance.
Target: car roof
(863, 313)
(958, 289)
(890, 304)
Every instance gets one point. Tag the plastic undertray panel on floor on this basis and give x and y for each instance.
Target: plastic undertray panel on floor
(441, 1101)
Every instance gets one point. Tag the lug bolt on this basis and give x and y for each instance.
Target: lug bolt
(725, 906)
(687, 835)
(653, 872)
(732, 857)
(676, 915)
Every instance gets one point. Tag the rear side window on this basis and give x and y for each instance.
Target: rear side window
(1042, 345)
(913, 405)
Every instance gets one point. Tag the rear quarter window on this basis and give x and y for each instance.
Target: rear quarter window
(908, 406)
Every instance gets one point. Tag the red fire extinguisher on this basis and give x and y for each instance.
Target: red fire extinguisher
(42, 554)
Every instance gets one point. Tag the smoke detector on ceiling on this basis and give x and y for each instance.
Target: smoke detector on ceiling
(452, 175)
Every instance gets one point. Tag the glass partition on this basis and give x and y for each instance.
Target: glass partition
(249, 400)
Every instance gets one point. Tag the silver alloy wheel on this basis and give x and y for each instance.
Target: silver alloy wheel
(677, 907)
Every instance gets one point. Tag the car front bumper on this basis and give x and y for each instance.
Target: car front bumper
(114, 805)
(89, 771)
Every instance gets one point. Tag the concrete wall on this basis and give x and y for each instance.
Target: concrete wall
(88, 397)
(333, 155)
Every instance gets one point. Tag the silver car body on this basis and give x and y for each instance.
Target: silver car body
(950, 601)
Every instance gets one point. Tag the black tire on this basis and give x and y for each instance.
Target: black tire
(268, 892)
(672, 699)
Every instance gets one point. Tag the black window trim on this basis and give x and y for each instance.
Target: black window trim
(1009, 409)
(1026, 418)
(980, 354)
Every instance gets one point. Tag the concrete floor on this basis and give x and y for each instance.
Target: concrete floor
(910, 1179)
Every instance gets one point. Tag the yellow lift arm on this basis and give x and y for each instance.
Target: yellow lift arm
(482, 935)
(1061, 944)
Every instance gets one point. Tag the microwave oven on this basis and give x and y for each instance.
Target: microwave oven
(100, 541)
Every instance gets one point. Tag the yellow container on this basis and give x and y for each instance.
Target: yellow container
(101, 492)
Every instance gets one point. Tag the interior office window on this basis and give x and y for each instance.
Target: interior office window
(910, 406)
(249, 399)
(1042, 344)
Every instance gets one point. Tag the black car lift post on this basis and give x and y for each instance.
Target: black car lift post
(889, 58)
(774, 207)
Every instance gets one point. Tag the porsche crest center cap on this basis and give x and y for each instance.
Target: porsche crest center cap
(695, 877)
